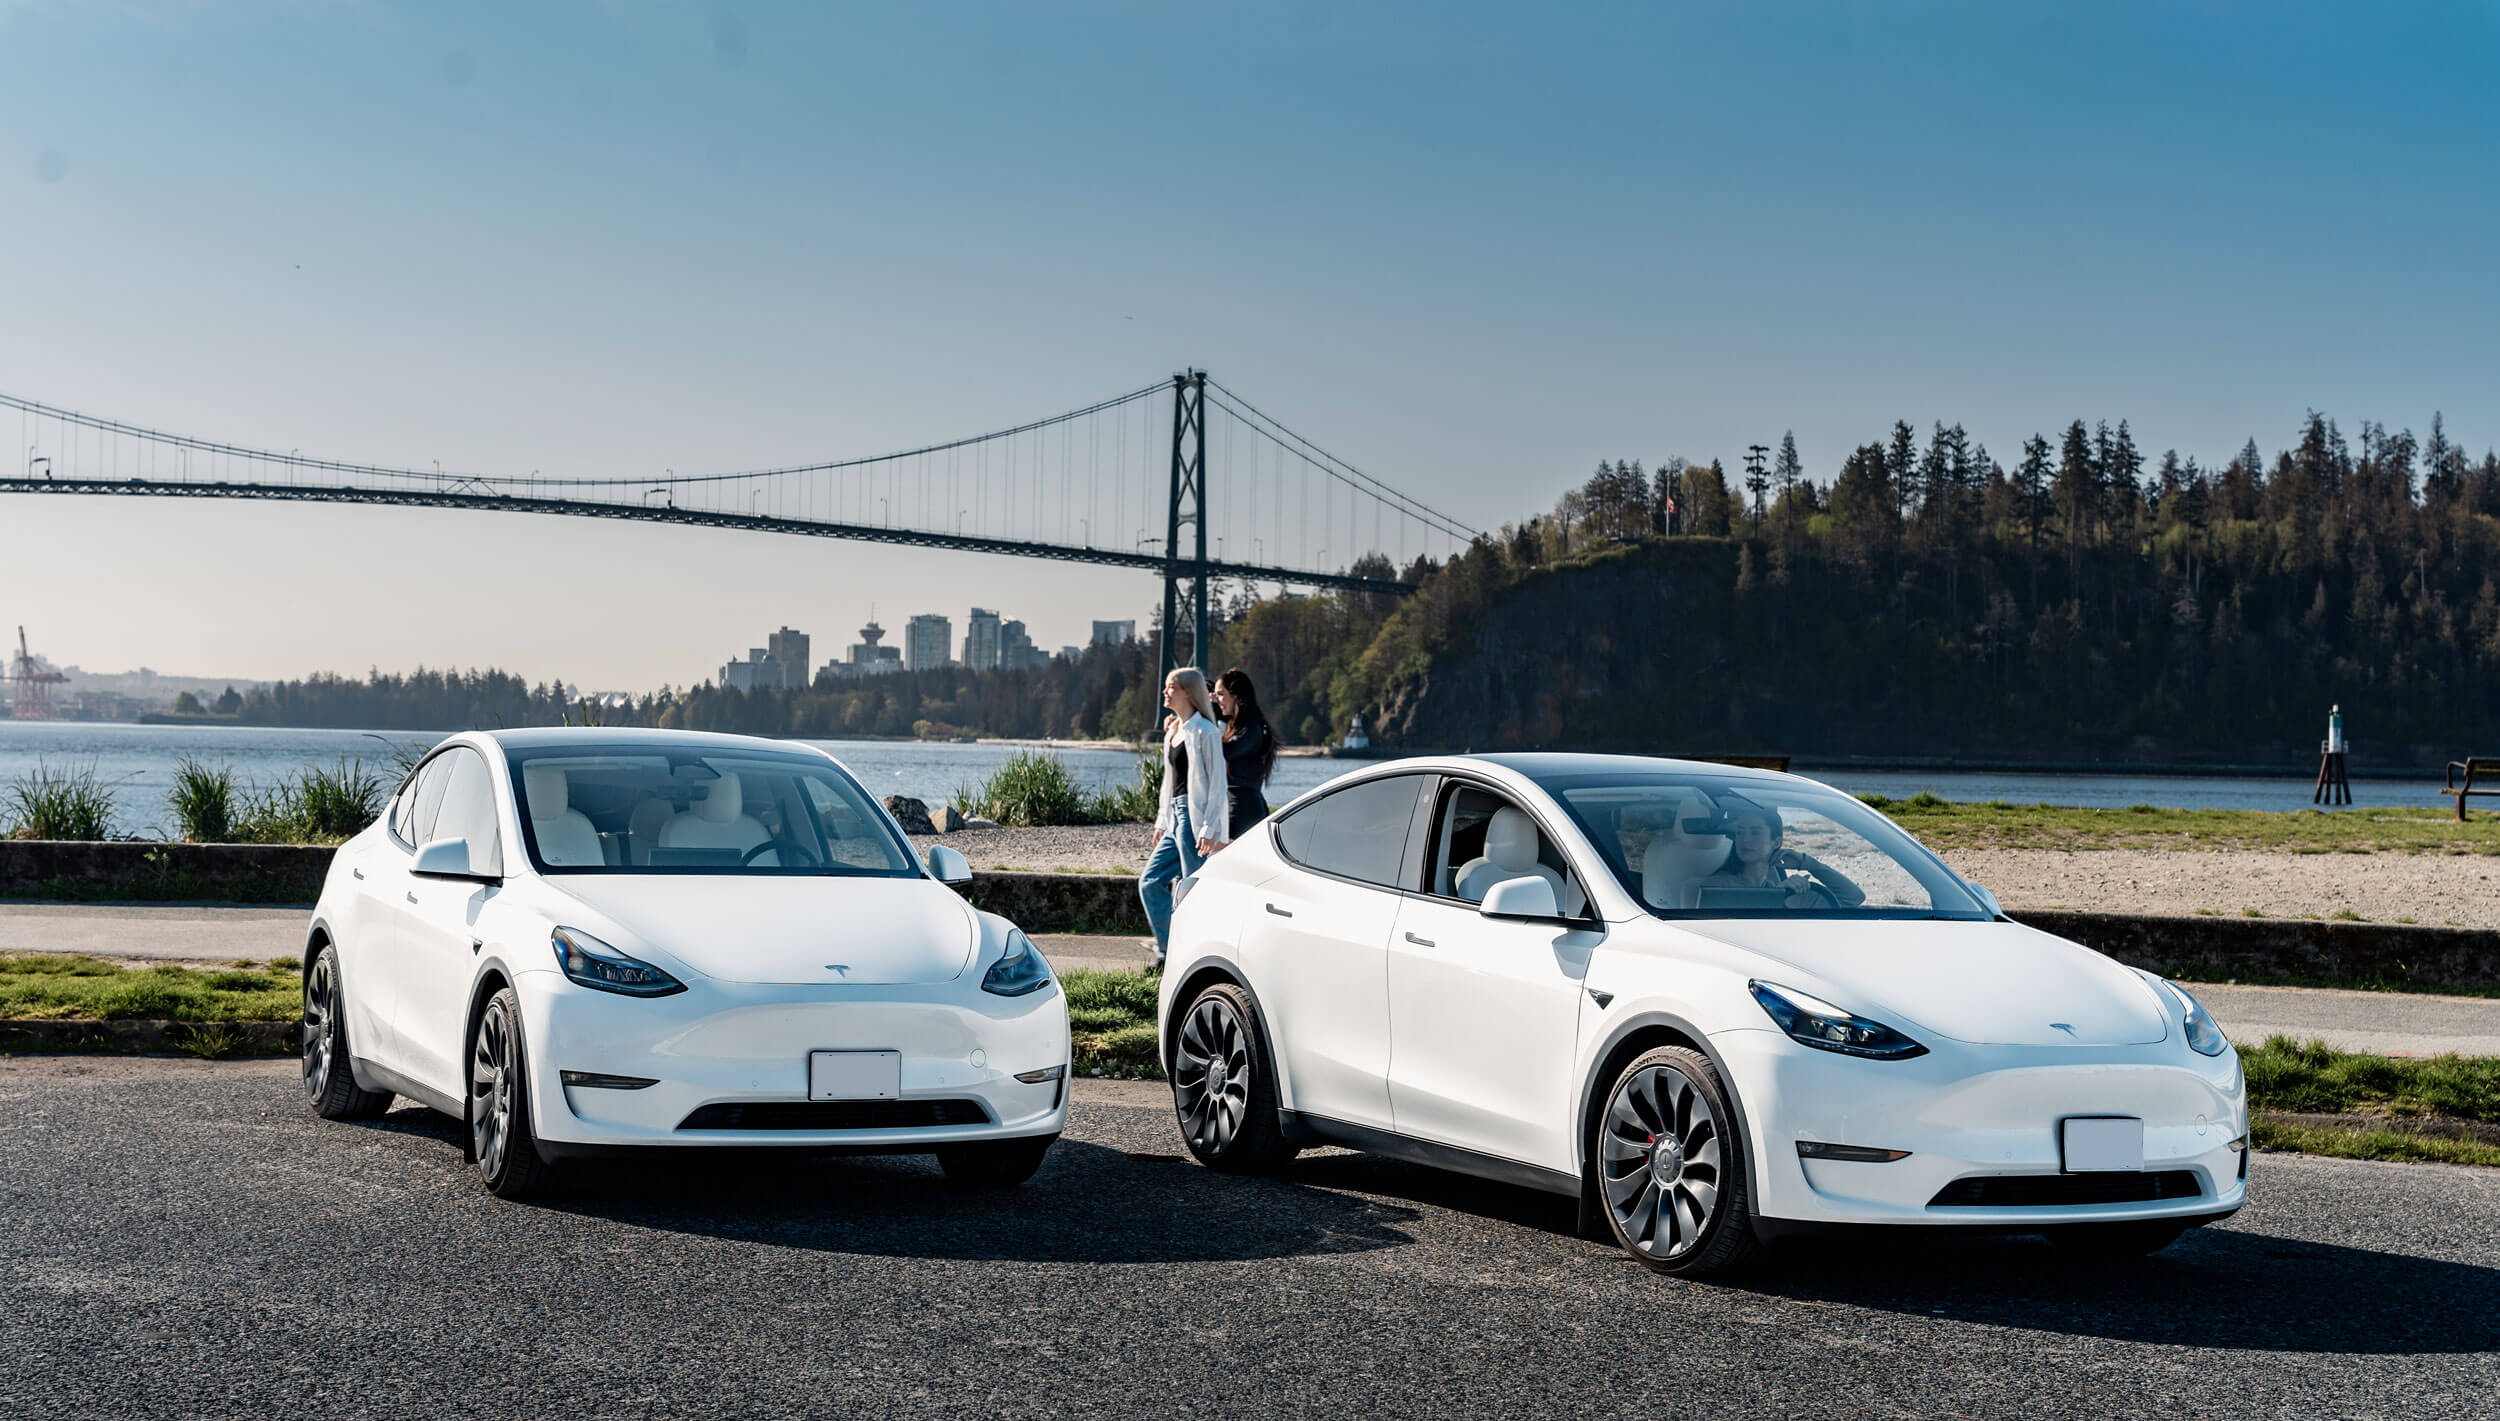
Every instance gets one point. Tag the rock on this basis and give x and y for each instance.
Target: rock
(977, 822)
(910, 813)
(944, 819)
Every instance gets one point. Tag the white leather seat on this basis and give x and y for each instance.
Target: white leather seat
(1510, 851)
(718, 821)
(642, 832)
(1676, 861)
(566, 837)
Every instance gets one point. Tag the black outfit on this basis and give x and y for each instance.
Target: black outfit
(1244, 754)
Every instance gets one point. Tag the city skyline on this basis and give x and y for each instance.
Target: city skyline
(1473, 249)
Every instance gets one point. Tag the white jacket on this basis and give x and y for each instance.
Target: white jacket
(1208, 792)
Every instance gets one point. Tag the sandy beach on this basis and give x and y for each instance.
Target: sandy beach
(2457, 890)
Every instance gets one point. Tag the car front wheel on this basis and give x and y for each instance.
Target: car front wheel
(1671, 1166)
(1224, 1086)
(501, 1137)
(328, 1079)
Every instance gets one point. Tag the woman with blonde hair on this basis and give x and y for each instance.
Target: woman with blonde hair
(1193, 814)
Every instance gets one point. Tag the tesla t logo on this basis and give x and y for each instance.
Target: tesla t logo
(839, 969)
(2062, 1026)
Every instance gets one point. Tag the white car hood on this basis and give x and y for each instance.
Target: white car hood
(1987, 983)
(821, 931)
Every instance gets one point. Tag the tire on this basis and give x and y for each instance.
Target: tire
(1670, 1166)
(1224, 1086)
(2132, 1239)
(502, 1138)
(328, 1078)
(994, 1164)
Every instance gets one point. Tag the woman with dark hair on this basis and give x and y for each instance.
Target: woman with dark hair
(1249, 748)
(1756, 860)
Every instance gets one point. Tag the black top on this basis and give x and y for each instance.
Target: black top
(1244, 755)
(1177, 752)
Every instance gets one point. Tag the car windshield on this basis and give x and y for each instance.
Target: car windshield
(645, 811)
(1709, 846)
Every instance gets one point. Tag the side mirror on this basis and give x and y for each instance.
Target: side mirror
(1529, 897)
(447, 858)
(949, 866)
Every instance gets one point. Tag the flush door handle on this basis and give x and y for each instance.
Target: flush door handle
(412, 897)
(1279, 912)
(1421, 941)
(357, 871)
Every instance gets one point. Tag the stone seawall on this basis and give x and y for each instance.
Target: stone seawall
(2196, 948)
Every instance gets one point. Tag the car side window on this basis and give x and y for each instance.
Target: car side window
(1481, 838)
(1358, 832)
(467, 810)
(414, 822)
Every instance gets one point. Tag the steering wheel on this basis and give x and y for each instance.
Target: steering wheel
(1830, 900)
(784, 847)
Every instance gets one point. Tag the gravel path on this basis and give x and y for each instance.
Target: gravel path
(2458, 890)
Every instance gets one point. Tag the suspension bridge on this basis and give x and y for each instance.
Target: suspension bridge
(1183, 478)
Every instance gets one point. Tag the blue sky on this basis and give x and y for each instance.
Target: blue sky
(1474, 248)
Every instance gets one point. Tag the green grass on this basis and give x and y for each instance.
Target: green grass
(2313, 1078)
(45, 803)
(73, 988)
(1037, 790)
(1111, 1021)
(1996, 824)
(2370, 1144)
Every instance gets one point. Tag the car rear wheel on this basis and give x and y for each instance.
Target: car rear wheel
(328, 1079)
(994, 1164)
(1224, 1086)
(501, 1137)
(1671, 1166)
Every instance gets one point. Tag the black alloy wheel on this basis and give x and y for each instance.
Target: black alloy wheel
(1671, 1165)
(1223, 1087)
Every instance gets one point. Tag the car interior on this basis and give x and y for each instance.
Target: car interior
(1483, 839)
(717, 813)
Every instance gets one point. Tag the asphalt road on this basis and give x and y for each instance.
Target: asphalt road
(182, 1238)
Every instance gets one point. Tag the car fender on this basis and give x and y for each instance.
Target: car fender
(1633, 1021)
(1225, 966)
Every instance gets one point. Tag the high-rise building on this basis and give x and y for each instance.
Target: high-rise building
(1114, 633)
(759, 672)
(981, 640)
(927, 640)
(1016, 651)
(790, 649)
(867, 658)
(1071, 653)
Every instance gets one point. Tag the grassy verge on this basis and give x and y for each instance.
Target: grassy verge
(2315, 1078)
(1111, 1022)
(1996, 824)
(2369, 1144)
(69, 988)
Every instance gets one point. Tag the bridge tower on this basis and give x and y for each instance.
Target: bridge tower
(1188, 507)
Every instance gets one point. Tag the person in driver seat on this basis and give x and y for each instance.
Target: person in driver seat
(1756, 860)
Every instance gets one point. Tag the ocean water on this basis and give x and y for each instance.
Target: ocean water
(138, 762)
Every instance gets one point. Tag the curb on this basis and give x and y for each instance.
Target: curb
(145, 1038)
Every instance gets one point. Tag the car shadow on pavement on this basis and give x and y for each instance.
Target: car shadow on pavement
(1089, 1204)
(2216, 1287)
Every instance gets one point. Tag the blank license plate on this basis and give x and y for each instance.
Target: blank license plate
(2103, 1145)
(854, 1075)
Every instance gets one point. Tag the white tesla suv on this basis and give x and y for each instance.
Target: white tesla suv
(578, 940)
(1719, 1006)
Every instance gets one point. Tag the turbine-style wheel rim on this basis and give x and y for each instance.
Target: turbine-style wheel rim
(490, 1091)
(1659, 1161)
(320, 1025)
(1212, 1084)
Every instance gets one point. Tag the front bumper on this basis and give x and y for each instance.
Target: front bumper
(741, 1043)
(1968, 1112)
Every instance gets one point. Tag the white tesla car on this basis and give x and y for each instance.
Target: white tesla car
(577, 940)
(1720, 1006)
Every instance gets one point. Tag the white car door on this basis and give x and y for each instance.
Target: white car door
(371, 971)
(1315, 946)
(438, 940)
(1484, 1012)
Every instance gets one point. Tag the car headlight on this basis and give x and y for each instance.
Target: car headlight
(2203, 1036)
(594, 964)
(1825, 1027)
(1020, 969)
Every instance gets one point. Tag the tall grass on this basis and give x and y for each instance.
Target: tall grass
(1036, 790)
(45, 803)
(204, 800)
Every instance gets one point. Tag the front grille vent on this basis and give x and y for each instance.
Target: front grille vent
(2050, 1191)
(835, 1115)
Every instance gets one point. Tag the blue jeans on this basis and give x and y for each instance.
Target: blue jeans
(1175, 856)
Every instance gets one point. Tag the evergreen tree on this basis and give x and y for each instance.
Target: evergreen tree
(1787, 468)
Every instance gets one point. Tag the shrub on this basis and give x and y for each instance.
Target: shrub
(46, 803)
(204, 801)
(1036, 790)
(1132, 803)
(318, 806)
